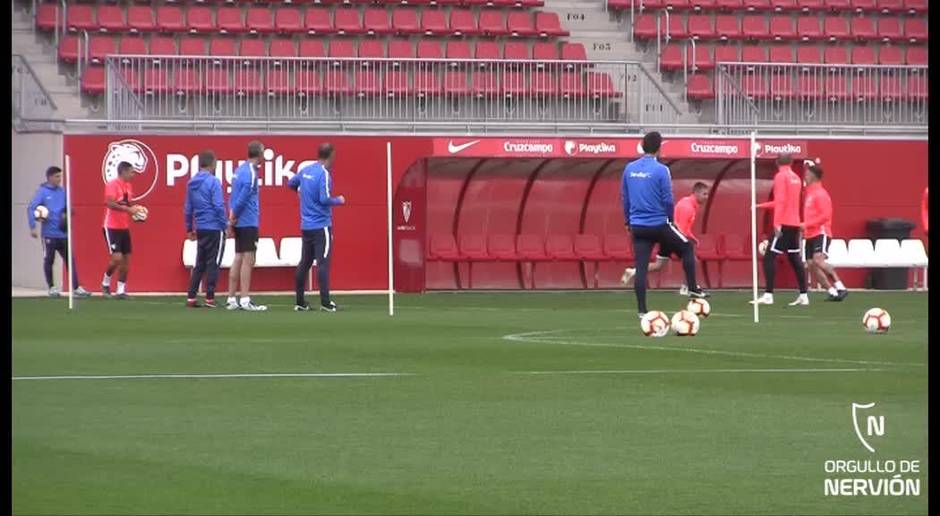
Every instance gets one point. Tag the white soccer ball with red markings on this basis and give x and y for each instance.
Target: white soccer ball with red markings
(685, 324)
(876, 320)
(655, 324)
(141, 214)
(41, 213)
(699, 307)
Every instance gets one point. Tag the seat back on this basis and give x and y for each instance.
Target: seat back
(291, 250)
(587, 244)
(887, 252)
(914, 252)
(618, 245)
(838, 254)
(472, 244)
(861, 251)
(530, 245)
(189, 253)
(502, 245)
(266, 255)
(442, 244)
(559, 244)
(707, 244)
(228, 254)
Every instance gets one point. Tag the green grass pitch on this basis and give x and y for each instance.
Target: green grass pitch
(514, 403)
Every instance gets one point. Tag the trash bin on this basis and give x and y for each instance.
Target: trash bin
(889, 278)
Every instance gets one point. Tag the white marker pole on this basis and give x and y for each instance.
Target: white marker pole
(754, 225)
(388, 186)
(68, 230)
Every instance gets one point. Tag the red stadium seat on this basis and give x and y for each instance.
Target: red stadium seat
(865, 87)
(915, 6)
(513, 84)
(700, 87)
(170, 19)
(530, 248)
(619, 247)
(47, 15)
(784, 5)
(431, 49)
(367, 83)
(808, 54)
(81, 17)
(279, 82)
(317, 21)
(837, 88)
(229, 20)
(336, 82)
(549, 25)
(342, 48)
(282, 47)
(600, 85)
(376, 22)
(312, 48)
(915, 30)
(676, 5)
(589, 248)
(671, 57)
(890, 88)
(434, 22)
(187, 81)
(136, 45)
(516, 51)
(347, 21)
(473, 248)
(93, 80)
(200, 20)
(864, 5)
(757, 5)
(917, 56)
(573, 52)
(492, 23)
(463, 22)
(571, 85)
(726, 27)
(140, 19)
(427, 84)
(735, 248)
(251, 47)
(917, 87)
(644, 27)
(836, 55)
(501, 247)
(218, 81)
(188, 46)
(782, 28)
(99, 47)
(222, 47)
(809, 86)
(708, 249)
(838, 5)
(156, 80)
(781, 54)
(889, 29)
(543, 84)
(68, 49)
(754, 86)
(309, 82)
(890, 55)
(520, 24)
(862, 55)
(544, 51)
(405, 21)
(456, 49)
(455, 84)
(891, 6)
(703, 5)
(729, 5)
(755, 27)
(487, 50)
(260, 20)
(836, 28)
(809, 29)
(701, 27)
(484, 84)
(560, 248)
(371, 49)
(288, 20)
(111, 18)
(755, 54)
(400, 49)
(443, 247)
(727, 54)
(864, 28)
(248, 81)
(781, 86)
(395, 83)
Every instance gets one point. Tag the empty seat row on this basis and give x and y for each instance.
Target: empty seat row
(780, 86)
(861, 6)
(783, 28)
(705, 57)
(266, 255)
(316, 20)
(887, 252)
(364, 82)
(101, 46)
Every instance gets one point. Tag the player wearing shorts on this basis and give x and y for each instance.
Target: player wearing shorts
(204, 216)
(244, 218)
(786, 239)
(685, 211)
(817, 228)
(646, 192)
(118, 196)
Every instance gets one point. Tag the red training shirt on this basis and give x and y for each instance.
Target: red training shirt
(122, 193)
(817, 209)
(685, 211)
(786, 203)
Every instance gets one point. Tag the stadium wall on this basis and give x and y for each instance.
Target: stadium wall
(466, 185)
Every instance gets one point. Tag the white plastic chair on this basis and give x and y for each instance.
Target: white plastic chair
(861, 253)
(189, 253)
(228, 255)
(913, 251)
(290, 251)
(838, 255)
(266, 256)
(888, 253)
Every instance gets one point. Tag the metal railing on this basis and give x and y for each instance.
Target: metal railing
(405, 91)
(32, 106)
(800, 95)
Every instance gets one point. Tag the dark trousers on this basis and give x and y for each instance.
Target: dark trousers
(787, 242)
(666, 235)
(53, 246)
(317, 245)
(209, 249)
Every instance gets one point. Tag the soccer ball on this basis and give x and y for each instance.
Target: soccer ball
(685, 324)
(41, 213)
(655, 324)
(876, 320)
(141, 214)
(762, 247)
(699, 307)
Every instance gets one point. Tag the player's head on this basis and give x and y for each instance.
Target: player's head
(784, 160)
(652, 142)
(207, 160)
(813, 174)
(255, 152)
(325, 154)
(125, 171)
(54, 175)
(700, 191)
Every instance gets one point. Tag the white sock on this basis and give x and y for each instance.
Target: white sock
(231, 300)
(246, 300)
(839, 286)
(121, 286)
(107, 280)
(833, 291)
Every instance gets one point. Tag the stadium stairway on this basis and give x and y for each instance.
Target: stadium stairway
(41, 58)
(606, 36)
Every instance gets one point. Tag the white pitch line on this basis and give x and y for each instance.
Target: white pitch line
(211, 376)
(528, 337)
(701, 371)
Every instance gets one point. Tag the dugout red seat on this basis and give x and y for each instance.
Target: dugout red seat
(809, 29)
(484, 84)
(455, 84)
(863, 28)
(544, 51)
(549, 25)
(405, 21)
(336, 82)
(375, 21)
(81, 17)
(248, 81)
(473, 248)
(111, 18)
(229, 20)
(516, 51)
(170, 19)
(543, 84)
(454, 49)
(890, 55)
(99, 47)
(588, 247)
(260, 20)
(395, 83)
(371, 49)
(347, 21)
(915, 30)
(735, 248)
(836, 28)
(863, 55)
(288, 20)
(68, 49)
(501, 247)
(755, 26)
(463, 22)
(618, 247)
(47, 15)
(431, 49)
(311, 48)
(282, 47)
(520, 24)
(434, 22)
(140, 19)
(889, 29)
(279, 82)
(707, 249)
(426, 83)
(493, 23)
(701, 26)
(188, 46)
(308, 82)
(367, 83)
(700, 87)
(487, 50)
(644, 27)
(782, 28)
(218, 81)
(443, 247)
(530, 248)
(726, 27)
(917, 56)
(156, 80)
(187, 81)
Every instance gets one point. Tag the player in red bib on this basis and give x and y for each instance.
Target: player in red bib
(817, 231)
(117, 215)
(684, 217)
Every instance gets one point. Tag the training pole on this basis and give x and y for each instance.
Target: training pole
(388, 201)
(754, 225)
(68, 228)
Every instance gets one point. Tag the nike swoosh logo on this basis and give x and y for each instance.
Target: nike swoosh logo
(454, 149)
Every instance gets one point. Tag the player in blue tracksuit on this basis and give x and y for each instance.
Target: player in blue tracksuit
(204, 214)
(244, 218)
(313, 186)
(54, 237)
(646, 192)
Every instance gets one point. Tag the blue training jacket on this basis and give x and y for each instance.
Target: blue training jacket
(646, 191)
(243, 202)
(53, 198)
(204, 203)
(316, 206)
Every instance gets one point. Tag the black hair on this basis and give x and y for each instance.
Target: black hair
(816, 170)
(122, 166)
(51, 171)
(651, 142)
(325, 151)
(699, 186)
(255, 149)
(784, 159)
(206, 159)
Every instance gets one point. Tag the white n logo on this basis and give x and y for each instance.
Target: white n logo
(876, 425)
